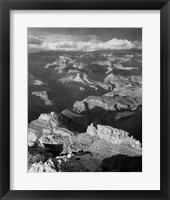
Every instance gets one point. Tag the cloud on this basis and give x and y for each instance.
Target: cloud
(34, 40)
(80, 43)
(74, 38)
(85, 46)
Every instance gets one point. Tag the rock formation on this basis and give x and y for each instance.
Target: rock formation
(48, 140)
(115, 103)
(97, 96)
(44, 96)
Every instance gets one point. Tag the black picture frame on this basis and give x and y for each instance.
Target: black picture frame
(5, 7)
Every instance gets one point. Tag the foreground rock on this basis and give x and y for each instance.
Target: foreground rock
(105, 141)
(42, 167)
(48, 140)
(44, 125)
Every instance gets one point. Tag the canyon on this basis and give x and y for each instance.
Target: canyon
(85, 111)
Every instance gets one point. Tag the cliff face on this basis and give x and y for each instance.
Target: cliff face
(52, 147)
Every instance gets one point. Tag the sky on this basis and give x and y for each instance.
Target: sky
(83, 39)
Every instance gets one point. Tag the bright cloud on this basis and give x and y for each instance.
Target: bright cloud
(85, 43)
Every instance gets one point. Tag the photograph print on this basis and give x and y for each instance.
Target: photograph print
(84, 99)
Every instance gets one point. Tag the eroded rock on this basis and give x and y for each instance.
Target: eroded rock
(100, 142)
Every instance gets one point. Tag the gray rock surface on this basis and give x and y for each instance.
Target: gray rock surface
(98, 143)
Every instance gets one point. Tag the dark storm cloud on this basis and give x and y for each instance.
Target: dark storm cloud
(103, 33)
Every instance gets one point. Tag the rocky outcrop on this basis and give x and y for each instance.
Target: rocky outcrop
(115, 103)
(128, 91)
(44, 96)
(47, 140)
(105, 141)
(121, 81)
(79, 77)
(60, 64)
(42, 167)
(126, 95)
(44, 125)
